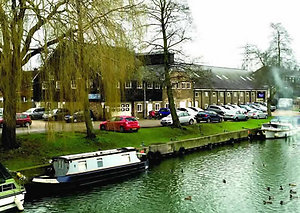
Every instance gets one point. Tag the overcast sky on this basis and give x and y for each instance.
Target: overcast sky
(223, 27)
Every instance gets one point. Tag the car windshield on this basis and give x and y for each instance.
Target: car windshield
(30, 110)
(130, 119)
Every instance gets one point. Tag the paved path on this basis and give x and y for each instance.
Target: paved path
(39, 126)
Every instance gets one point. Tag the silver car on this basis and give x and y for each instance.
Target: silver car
(184, 118)
(235, 116)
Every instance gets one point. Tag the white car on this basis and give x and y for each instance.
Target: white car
(242, 110)
(190, 111)
(184, 118)
(197, 109)
(257, 114)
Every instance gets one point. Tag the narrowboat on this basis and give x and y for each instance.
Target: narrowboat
(93, 167)
(12, 194)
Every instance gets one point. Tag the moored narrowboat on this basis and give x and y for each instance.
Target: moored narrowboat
(93, 167)
(12, 194)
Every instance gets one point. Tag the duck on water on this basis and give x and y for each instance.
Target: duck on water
(88, 168)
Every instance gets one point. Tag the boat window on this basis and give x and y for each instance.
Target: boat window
(7, 187)
(126, 156)
(100, 162)
(82, 166)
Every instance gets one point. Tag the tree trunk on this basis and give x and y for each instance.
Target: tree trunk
(9, 140)
(86, 104)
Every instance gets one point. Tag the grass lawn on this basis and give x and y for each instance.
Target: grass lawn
(37, 149)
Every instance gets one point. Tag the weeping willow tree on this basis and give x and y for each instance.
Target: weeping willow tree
(35, 27)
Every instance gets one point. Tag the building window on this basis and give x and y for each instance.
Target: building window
(118, 84)
(139, 85)
(241, 94)
(205, 106)
(183, 86)
(174, 85)
(157, 106)
(44, 85)
(214, 94)
(252, 93)
(149, 85)
(206, 94)
(196, 94)
(247, 94)
(128, 85)
(73, 84)
(167, 105)
(188, 85)
(57, 84)
(235, 94)
(228, 94)
(157, 86)
(221, 94)
(139, 108)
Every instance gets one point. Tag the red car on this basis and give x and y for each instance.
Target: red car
(121, 123)
(21, 120)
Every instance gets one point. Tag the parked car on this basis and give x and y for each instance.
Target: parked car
(184, 118)
(257, 114)
(56, 114)
(120, 123)
(208, 116)
(190, 111)
(21, 120)
(236, 107)
(78, 117)
(163, 112)
(248, 108)
(218, 109)
(35, 113)
(236, 116)
(197, 109)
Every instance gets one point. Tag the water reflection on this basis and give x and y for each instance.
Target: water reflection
(227, 179)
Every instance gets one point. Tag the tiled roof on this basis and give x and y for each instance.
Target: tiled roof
(228, 78)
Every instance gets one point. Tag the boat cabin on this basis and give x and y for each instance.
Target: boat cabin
(92, 161)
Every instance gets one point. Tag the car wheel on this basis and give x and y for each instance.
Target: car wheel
(191, 122)
(102, 127)
(220, 120)
(27, 124)
(266, 117)
(198, 121)
(236, 119)
(121, 129)
(246, 118)
(225, 119)
(208, 120)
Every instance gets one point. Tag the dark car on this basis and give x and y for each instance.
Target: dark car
(56, 114)
(78, 117)
(121, 123)
(163, 112)
(35, 113)
(21, 120)
(208, 116)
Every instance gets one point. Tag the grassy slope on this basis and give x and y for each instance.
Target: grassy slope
(39, 148)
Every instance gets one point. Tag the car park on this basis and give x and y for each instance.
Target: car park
(236, 116)
(35, 113)
(208, 116)
(184, 118)
(21, 120)
(120, 123)
(56, 114)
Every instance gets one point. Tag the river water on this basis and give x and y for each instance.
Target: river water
(233, 178)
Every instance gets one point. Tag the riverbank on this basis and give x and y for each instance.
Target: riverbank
(36, 149)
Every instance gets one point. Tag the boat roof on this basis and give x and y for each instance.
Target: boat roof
(95, 154)
(4, 174)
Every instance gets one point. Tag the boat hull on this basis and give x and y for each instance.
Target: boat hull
(100, 176)
(277, 134)
(12, 201)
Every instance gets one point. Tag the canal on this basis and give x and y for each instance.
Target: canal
(245, 177)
